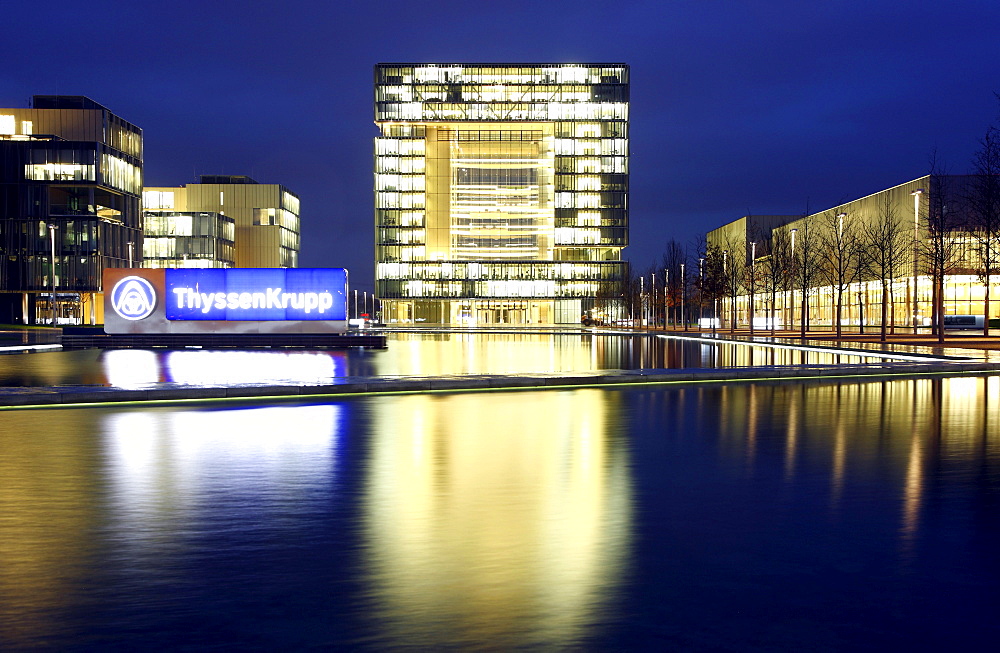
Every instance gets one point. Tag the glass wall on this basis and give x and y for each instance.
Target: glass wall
(193, 240)
(492, 163)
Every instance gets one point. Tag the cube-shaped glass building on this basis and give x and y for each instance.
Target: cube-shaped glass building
(500, 192)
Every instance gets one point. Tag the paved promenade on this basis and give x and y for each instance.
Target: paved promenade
(901, 360)
(905, 356)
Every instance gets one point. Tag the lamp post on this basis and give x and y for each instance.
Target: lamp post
(841, 255)
(701, 291)
(916, 261)
(355, 303)
(653, 302)
(753, 284)
(131, 248)
(791, 310)
(683, 289)
(52, 260)
(642, 300)
(725, 275)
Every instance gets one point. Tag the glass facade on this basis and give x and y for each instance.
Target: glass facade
(70, 179)
(236, 222)
(500, 182)
(909, 289)
(190, 239)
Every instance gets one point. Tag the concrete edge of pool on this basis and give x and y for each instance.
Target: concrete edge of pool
(21, 398)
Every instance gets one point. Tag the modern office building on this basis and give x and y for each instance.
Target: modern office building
(184, 239)
(70, 183)
(500, 191)
(917, 209)
(222, 221)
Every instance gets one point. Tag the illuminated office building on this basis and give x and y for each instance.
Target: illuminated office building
(70, 179)
(809, 242)
(184, 239)
(223, 221)
(500, 191)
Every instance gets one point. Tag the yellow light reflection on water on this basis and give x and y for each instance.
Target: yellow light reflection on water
(488, 511)
(472, 353)
(47, 506)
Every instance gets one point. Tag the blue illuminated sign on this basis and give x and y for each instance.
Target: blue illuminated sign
(260, 294)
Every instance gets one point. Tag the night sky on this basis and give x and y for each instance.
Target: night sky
(737, 107)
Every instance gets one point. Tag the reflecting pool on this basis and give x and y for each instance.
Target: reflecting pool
(748, 517)
(408, 354)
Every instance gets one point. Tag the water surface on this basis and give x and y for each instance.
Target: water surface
(751, 517)
(408, 354)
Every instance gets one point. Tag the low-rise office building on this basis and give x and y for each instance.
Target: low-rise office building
(222, 221)
(841, 256)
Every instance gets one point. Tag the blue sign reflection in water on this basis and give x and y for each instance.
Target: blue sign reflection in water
(744, 517)
(137, 368)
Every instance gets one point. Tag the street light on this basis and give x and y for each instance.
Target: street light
(642, 300)
(52, 260)
(131, 246)
(355, 303)
(791, 309)
(916, 220)
(753, 283)
(683, 289)
(701, 291)
(653, 302)
(725, 275)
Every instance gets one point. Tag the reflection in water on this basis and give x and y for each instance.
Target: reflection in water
(493, 512)
(49, 482)
(698, 518)
(85, 492)
(409, 354)
(136, 368)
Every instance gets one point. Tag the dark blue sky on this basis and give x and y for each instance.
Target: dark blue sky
(764, 107)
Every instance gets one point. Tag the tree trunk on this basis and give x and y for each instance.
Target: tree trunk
(805, 313)
(840, 307)
(939, 309)
(885, 307)
(986, 307)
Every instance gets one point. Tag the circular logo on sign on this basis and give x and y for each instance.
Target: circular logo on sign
(133, 298)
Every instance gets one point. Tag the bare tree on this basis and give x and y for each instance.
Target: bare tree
(983, 202)
(805, 247)
(734, 261)
(699, 250)
(939, 250)
(751, 271)
(840, 258)
(776, 273)
(674, 255)
(884, 243)
(713, 281)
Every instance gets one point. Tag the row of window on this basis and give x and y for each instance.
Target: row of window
(189, 224)
(536, 289)
(469, 93)
(451, 111)
(543, 74)
(500, 270)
